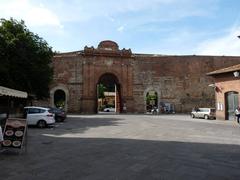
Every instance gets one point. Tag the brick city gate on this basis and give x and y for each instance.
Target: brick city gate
(107, 64)
(179, 81)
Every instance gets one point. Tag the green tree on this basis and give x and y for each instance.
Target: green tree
(101, 90)
(25, 59)
(150, 98)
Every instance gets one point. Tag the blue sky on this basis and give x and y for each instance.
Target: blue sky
(170, 27)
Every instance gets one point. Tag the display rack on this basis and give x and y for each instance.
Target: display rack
(15, 135)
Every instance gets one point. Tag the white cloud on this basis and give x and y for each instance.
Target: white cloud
(226, 45)
(120, 29)
(55, 12)
(33, 15)
(110, 18)
(130, 10)
(82, 18)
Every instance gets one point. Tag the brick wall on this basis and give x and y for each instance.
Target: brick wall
(225, 83)
(180, 80)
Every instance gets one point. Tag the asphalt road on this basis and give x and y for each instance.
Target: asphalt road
(122, 147)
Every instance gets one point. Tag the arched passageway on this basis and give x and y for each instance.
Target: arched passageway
(151, 100)
(59, 98)
(108, 94)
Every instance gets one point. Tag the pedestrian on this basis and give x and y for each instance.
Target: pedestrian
(1, 136)
(237, 113)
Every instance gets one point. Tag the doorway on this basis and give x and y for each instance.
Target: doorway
(59, 98)
(231, 104)
(151, 100)
(108, 94)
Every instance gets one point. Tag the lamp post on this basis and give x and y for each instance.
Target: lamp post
(236, 73)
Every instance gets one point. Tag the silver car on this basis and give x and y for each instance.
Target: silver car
(206, 113)
(109, 109)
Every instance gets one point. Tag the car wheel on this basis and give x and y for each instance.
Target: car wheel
(41, 124)
(58, 119)
(192, 115)
(206, 117)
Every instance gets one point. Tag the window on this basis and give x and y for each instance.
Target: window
(42, 110)
(35, 111)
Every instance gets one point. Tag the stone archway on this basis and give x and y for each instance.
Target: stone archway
(108, 93)
(59, 98)
(152, 101)
(62, 92)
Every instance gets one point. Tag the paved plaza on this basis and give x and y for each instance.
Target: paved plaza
(128, 147)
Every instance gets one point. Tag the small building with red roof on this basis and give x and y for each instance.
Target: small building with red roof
(227, 90)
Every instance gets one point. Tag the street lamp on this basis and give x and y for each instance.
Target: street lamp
(236, 73)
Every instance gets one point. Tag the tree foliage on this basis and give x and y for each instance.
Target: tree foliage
(25, 59)
(152, 97)
(101, 90)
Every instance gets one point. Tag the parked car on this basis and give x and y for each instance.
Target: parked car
(60, 114)
(109, 109)
(206, 113)
(39, 116)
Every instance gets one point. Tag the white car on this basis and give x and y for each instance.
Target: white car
(39, 116)
(110, 109)
(206, 113)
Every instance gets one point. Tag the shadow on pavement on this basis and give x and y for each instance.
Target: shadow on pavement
(59, 158)
(80, 125)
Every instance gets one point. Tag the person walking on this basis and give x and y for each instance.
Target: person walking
(237, 113)
(1, 136)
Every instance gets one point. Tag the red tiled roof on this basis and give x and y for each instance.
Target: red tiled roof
(225, 70)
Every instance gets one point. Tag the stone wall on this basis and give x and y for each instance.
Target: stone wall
(180, 80)
(68, 69)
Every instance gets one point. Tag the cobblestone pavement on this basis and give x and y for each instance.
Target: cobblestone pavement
(133, 147)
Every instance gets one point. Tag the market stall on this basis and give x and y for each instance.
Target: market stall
(7, 97)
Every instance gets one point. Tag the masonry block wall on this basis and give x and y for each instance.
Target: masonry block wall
(68, 76)
(180, 80)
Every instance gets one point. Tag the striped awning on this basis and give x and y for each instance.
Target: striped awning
(12, 92)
